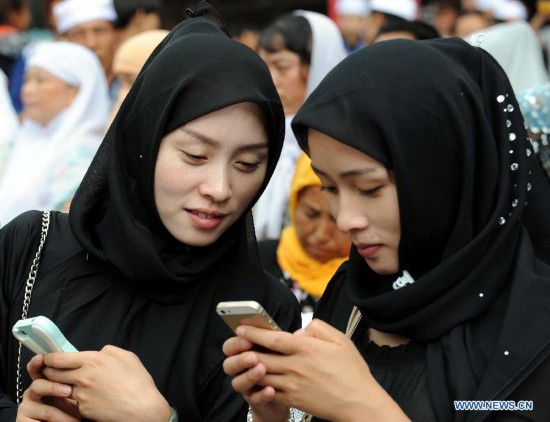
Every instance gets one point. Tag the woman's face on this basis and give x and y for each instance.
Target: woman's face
(208, 171)
(316, 227)
(44, 95)
(289, 76)
(362, 198)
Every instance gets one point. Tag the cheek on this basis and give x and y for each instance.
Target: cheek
(304, 225)
(246, 187)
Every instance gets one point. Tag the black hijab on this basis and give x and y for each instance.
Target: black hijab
(197, 69)
(442, 115)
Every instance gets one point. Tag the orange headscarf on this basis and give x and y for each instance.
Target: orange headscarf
(311, 275)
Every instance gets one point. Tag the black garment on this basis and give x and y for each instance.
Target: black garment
(95, 305)
(268, 257)
(442, 116)
(127, 281)
(401, 371)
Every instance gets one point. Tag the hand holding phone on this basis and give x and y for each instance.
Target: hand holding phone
(41, 336)
(247, 312)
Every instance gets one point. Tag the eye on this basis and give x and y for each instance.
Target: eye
(194, 158)
(248, 167)
(368, 192)
(328, 189)
(312, 215)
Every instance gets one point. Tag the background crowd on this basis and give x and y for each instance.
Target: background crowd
(54, 114)
(68, 113)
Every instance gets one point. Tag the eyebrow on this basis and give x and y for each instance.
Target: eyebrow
(214, 143)
(348, 173)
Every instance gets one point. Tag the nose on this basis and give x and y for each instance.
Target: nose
(217, 185)
(323, 231)
(349, 217)
(27, 89)
(90, 40)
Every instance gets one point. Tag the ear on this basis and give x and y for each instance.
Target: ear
(304, 70)
(138, 19)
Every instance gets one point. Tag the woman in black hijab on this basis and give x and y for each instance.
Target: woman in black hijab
(422, 152)
(159, 232)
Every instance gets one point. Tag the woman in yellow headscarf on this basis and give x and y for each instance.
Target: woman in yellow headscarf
(311, 248)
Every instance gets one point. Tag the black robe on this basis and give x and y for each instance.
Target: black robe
(112, 272)
(94, 305)
(442, 117)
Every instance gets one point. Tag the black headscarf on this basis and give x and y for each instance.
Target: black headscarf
(442, 115)
(197, 69)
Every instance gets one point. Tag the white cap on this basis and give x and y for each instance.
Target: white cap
(352, 7)
(508, 10)
(406, 9)
(486, 5)
(70, 13)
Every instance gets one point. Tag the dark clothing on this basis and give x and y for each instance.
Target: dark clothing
(116, 273)
(95, 305)
(455, 142)
(402, 371)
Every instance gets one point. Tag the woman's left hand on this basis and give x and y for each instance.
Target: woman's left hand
(110, 385)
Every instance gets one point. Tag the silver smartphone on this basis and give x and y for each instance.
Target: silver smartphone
(246, 312)
(41, 335)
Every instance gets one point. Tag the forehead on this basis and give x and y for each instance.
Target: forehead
(332, 157)
(90, 26)
(282, 55)
(41, 72)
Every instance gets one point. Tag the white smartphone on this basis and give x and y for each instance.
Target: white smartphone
(41, 335)
(247, 312)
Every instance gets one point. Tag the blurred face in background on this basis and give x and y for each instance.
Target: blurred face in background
(316, 228)
(100, 37)
(44, 95)
(352, 27)
(290, 77)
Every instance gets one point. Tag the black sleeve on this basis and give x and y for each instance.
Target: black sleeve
(19, 242)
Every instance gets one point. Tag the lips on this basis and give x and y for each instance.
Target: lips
(368, 250)
(205, 219)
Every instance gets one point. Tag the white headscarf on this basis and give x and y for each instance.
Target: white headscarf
(327, 51)
(8, 122)
(517, 49)
(47, 163)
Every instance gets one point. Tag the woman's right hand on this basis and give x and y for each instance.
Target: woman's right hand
(245, 367)
(45, 400)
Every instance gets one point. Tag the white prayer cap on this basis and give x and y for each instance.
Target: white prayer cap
(508, 10)
(66, 60)
(352, 7)
(486, 5)
(406, 9)
(69, 13)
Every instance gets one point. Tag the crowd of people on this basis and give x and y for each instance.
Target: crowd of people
(376, 177)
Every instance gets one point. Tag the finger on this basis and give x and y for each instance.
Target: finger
(323, 331)
(65, 360)
(261, 397)
(63, 376)
(235, 365)
(34, 367)
(236, 345)
(276, 341)
(40, 412)
(42, 387)
(246, 382)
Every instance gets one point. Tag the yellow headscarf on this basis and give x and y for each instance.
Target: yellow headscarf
(311, 275)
